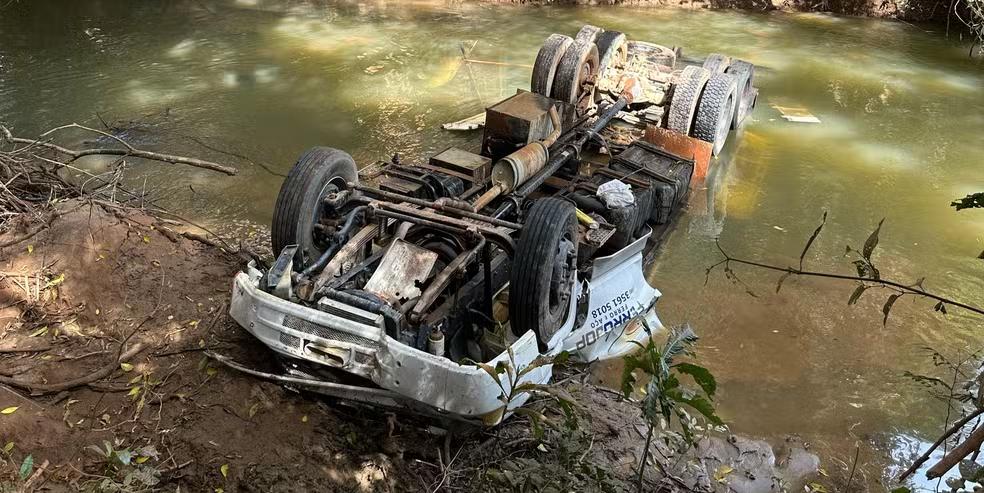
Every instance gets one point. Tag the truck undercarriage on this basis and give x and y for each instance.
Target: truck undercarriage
(402, 284)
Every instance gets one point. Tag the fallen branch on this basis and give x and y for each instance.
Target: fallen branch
(884, 282)
(939, 441)
(951, 459)
(127, 151)
(868, 275)
(41, 388)
(29, 349)
(218, 242)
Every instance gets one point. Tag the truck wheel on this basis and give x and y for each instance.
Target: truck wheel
(547, 59)
(744, 72)
(685, 95)
(578, 65)
(544, 269)
(318, 172)
(612, 50)
(588, 34)
(716, 111)
(717, 63)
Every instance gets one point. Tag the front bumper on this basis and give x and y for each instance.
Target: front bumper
(355, 341)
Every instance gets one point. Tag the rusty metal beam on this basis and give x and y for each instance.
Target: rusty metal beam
(500, 239)
(443, 279)
(457, 211)
(348, 253)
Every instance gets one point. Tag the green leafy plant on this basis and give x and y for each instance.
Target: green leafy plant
(565, 439)
(664, 396)
(124, 469)
(26, 468)
(140, 386)
(512, 385)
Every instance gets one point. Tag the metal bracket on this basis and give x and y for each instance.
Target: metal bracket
(278, 280)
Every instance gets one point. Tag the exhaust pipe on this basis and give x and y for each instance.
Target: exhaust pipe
(514, 169)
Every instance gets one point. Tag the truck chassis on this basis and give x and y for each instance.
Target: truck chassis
(415, 285)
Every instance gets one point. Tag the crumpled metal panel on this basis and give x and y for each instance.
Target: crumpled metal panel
(401, 271)
(617, 293)
(683, 146)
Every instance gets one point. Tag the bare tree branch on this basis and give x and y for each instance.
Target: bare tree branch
(902, 288)
(939, 441)
(128, 151)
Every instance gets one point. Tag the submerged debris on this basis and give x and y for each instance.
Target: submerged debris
(797, 115)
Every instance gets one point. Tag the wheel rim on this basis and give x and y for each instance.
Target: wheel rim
(585, 84)
(562, 278)
(333, 185)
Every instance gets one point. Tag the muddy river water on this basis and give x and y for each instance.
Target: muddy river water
(901, 135)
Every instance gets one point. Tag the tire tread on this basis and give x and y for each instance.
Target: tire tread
(685, 96)
(530, 273)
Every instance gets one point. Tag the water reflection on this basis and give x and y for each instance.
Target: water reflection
(904, 449)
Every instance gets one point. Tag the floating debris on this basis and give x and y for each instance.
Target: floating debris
(797, 115)
(471, 123)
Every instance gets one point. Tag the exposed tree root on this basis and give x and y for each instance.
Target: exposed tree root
(48, 388)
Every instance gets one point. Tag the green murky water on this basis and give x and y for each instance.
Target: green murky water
(902, 134)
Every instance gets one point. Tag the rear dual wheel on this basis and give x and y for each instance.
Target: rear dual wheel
(568, 69)
(547, 60)
(704, 104)
(716, 110)
(686, 94)
(613, 56)
(577, 74)
(613, 50)
(744, 72)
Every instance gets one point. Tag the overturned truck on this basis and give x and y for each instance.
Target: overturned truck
(403, 283)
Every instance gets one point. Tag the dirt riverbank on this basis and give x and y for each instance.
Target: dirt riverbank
(917, 11)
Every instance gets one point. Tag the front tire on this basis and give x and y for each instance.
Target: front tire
(544, 269)
(319, 171)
